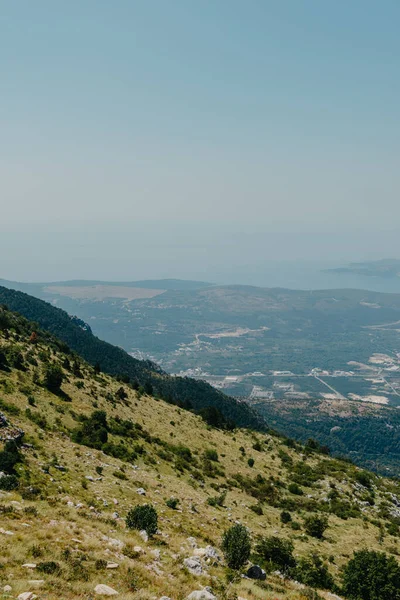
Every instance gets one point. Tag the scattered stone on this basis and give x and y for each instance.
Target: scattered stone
(29, 566)
(112, 565)
(201, 595)
(144, 535)
(4, 532)
(115, 515)
(141, 492)
(209, 553)
(138, 549)
(165, 598)
(256, 572)
(27, 596)
(115, 501)
(156, 554)
(105, 590)
(7, 589)
(192, 542)
(89, 477)
(76, 541)
(194, 565)
(113, 542)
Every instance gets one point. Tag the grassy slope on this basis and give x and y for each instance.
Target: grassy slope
(89, 531)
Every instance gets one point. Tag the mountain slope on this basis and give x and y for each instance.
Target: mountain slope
(93, 449)
(116, 361)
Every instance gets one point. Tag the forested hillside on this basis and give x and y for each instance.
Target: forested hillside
(115, 361)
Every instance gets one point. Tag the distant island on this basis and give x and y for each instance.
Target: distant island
(387, 267)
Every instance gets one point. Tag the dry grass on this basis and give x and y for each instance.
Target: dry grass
(89, 533)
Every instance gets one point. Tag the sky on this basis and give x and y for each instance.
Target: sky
(183, 138)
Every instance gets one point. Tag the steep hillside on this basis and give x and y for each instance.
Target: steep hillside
(115, 361)
(88, 449)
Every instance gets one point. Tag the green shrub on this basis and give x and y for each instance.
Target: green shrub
(143, 517)
(294, 488)
(217, 500)
(312, 571)
(315, 525)
(285, 516)
(275, 553)
(363, 478)
(172, 503)
(236, 546)
(250, 462)
(371, 575)
(9, 483)
(211, 455)
(256, 508)
(49, 567)
(53, 378)
(9, 458)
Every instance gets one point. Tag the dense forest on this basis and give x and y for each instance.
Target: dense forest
(370, 440)
(185, 391)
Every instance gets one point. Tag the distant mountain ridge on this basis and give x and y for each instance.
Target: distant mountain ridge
(166, 284)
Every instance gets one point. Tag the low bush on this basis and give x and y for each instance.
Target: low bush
(371, 575)
(172, 503)
(316, 526)
(9, 483)
(275, 553)
(236, 546)
(143, 517)
(312, 571)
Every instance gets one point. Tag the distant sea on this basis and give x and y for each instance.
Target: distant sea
(306, 276)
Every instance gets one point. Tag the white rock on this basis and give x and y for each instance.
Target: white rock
(193, 565)
(156, 554)
(192, 542)
(4, 532)
(89, 477)
(165, 598)
(141, 491)
(201, 595)
(7, 589)
(113, 542)
(27, 596)
(144, 535)
(29, 566)
(112, 565)
(105, 590)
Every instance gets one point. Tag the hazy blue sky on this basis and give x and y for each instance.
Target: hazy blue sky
(180, 137)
